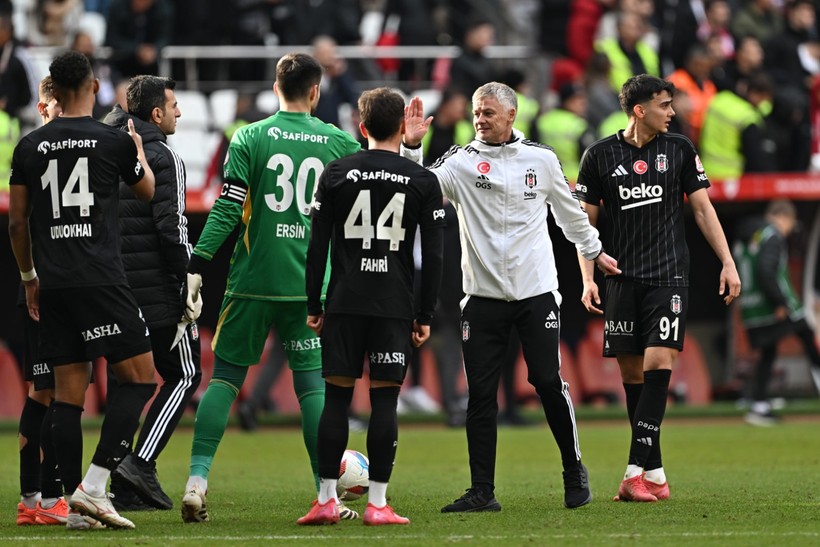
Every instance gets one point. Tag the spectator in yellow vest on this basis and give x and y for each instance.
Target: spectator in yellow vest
(629, 54)
(9, 135)
(566, 130)
(732, 140)
(612, 124)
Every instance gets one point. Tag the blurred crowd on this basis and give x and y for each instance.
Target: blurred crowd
(746, 70)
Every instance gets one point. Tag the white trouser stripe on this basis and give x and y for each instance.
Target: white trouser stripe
(146, 452)
(565, 391)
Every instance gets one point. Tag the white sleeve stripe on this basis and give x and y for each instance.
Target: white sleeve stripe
(182, 221)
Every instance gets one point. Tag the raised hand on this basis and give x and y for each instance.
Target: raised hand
(415, 125)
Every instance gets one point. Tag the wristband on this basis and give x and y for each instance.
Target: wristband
(29, 275)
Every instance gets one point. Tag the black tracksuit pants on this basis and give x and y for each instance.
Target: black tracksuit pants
(180, 370)
(485, 330)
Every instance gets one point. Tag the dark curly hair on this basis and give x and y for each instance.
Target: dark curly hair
(70, 71)
(642, 88)
(145, 93)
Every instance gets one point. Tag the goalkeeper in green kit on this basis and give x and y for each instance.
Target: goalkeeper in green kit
(271, 171)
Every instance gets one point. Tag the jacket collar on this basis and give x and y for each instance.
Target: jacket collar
(148, 131)
(493, 148)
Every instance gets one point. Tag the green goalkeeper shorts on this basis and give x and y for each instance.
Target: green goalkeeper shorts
(244, 326)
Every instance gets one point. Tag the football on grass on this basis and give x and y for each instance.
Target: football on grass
(354, 476)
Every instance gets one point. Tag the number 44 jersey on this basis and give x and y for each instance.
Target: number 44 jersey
(271, 171)
(72, 168)
(370, 205)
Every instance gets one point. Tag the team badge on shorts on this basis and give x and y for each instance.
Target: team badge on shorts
(661, 163)
(676, 305)
(465, 330)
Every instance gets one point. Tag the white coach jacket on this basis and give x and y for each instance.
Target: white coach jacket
(501, 193)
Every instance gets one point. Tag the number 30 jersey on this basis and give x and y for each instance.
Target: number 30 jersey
(72, 168)
(370, 205)
(271, 171)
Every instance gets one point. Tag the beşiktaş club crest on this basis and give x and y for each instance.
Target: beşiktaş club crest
(676, 305)
(465, 330)
(529, 179)
(661, 163)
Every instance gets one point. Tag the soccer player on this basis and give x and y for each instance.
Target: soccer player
(503, 187)
(370, 204)
(640, 176)
(42, 500)
(270, 171)
(63, 218)
(155, 254)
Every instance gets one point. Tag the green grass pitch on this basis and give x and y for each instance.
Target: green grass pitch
(732, 484)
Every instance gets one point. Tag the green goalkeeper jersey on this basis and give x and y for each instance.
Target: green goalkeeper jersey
(271, 172)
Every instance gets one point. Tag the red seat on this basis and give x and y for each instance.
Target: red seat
(12, 386)
(690, 381)
(600, 377)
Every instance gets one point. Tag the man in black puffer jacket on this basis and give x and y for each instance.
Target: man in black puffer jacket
(155, 253)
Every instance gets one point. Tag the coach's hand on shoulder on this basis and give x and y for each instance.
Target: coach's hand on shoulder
(315, 323)
(193, 300)
(420, 334)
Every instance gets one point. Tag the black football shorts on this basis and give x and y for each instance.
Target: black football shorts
(35, 370)
(348, 339)
(638, 316)
(82, 323)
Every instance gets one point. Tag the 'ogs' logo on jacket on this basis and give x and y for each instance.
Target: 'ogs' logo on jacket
(483, 182)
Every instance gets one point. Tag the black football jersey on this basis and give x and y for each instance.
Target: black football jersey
(369, 205)
(72, 168)
(642, 191)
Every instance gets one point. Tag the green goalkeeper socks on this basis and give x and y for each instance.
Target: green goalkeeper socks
(310, 391)
(212, 414)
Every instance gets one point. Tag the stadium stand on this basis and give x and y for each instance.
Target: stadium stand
(196, 147)
(267, 101)
(223, 107)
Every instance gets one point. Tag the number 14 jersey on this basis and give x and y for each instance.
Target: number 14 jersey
(72, 168)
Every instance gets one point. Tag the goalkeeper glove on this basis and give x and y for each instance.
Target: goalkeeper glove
(193, 300)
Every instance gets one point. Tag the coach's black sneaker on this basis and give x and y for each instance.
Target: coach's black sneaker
(576, 486)
(123, 497)
(142, 476)
(473, 501)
